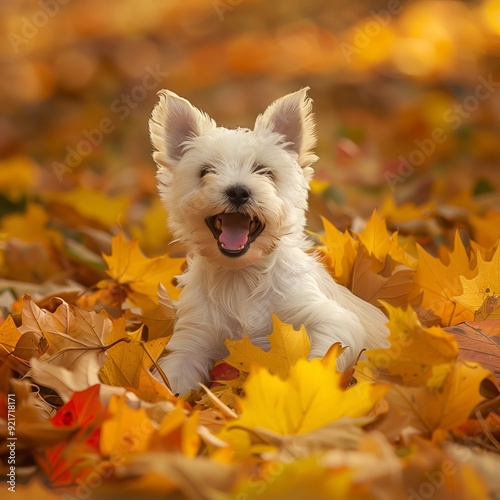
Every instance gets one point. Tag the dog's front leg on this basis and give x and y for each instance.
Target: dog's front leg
(194, 347)
(326, 323)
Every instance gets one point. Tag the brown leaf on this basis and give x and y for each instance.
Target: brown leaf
(373, 287)
(69, 332)
(32, 428)
(479, 341)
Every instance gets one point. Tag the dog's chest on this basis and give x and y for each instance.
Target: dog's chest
(244, 302)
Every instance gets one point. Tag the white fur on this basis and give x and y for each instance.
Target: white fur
(229, 297)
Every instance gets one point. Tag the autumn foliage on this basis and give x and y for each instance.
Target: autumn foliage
(91, 414)
(88, 270)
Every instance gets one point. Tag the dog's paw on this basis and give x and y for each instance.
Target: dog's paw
(183, 372)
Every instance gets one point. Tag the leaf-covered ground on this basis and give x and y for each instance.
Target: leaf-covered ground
(420, 416)
(408, 111)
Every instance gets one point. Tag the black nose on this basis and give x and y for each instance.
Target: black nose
(238, 195)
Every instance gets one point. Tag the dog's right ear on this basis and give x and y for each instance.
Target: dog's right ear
(173, 124)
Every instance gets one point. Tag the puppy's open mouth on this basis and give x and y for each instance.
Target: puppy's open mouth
(234, 232)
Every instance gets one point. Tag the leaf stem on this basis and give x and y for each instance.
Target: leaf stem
(155, 364)
(123, 339)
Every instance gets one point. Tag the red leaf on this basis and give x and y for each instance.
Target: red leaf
(224, 371)
(68, 461)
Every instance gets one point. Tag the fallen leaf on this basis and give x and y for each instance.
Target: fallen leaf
(374, 288)
(429, 468)
(127, 431)
(434, 411)
(489, 310)
(437, 284)
(375, 238)
(83, 375)
(339, 253)
(308, 399)
(70, 333)
(32, 429)
(485, 285)
(415, 355)
(33, 226)
(198, 478)
(345, 433)
(479, 341)
(125, 359)
(287, 347)
(93, 204)
(67, 463)
(129, 267)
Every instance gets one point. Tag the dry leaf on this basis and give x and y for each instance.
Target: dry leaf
(129, 267)
(485, 285)
(479, 341)
(287, 347)
(437, 284)
(374, 288)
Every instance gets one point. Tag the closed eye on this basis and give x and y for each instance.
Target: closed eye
(263, 170)
(206, 169)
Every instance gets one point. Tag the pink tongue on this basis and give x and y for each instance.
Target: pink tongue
(235, 229)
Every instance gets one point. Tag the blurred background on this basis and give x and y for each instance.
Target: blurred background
(406, 95)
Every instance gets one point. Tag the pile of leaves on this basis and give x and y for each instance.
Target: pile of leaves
(418, 419)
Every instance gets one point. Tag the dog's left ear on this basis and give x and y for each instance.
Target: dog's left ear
(291, 116)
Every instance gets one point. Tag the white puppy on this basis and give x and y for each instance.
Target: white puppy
(237, 199)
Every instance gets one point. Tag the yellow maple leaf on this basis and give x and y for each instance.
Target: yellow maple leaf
(375, 238)
(399, 254)
(127, 431)
(9, 336)
(128, 266)
(309, 398)
(437, 283)
(485, 284)
(93, 204)
(416, 356)
(151, 389)
(12, 351)
(436, 410)
(339, 251)
(32, 226)
(287, 347)
(124, 359)
(379, 244)
(405, 212)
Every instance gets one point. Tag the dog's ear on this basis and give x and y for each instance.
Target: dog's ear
(291, 116)
(173, 124)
